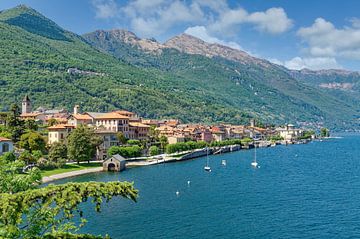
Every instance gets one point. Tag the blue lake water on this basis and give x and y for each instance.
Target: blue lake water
(300, 191)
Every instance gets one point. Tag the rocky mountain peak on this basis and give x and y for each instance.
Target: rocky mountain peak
(193, 45)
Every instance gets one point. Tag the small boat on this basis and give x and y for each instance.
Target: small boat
(207, 167)
(223, 162)
(254, 163)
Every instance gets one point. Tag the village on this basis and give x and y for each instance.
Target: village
(108, 126)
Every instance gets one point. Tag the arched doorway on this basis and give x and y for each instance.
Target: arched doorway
(111, 167)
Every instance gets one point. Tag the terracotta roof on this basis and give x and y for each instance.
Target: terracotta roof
(30, 114)
(2, 139)
(124, 112)
(111, 115)
(61, 126)
(137, 124)
(82, 116)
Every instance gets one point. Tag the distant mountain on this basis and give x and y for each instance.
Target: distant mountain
(268, 90)
(184, 78)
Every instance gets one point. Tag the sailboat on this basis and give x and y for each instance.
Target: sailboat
(254, 163)
(207, 167)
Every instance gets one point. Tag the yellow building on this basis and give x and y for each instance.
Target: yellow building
(59, 132)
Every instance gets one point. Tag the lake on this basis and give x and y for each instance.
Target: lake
(299, 191)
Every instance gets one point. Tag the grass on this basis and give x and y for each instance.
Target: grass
(69, 168)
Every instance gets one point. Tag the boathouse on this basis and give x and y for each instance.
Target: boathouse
(114, 163)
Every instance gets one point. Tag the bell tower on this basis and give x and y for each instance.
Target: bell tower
(26, 105)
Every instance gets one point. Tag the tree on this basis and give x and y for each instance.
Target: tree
(121, 137)
(52, 122)
(82, 144)
(125, 151)
(134, 142)
(324, 132)
(153, 134)
(48, 212)
(31, 125)
(27, 157)
(58, 153)
(15, 124)
(12, 178)
(163, 142)
(154, 150)
(32, 141)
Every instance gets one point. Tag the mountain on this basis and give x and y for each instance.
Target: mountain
(184, 78)
(270, 91)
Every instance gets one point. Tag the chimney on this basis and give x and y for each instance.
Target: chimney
(76, 109)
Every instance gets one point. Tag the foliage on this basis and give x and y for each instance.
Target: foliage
(51, 209)
(134, 142)
(163, 142)
(27, 157)
(31, 125)
(154, 150)
(82, 144)
(246, 140)
(32, 141)
(12, 178)
(276, 138)
(324, 132)
(121, 138)
(125, 151)
(179, 147)
(57, 155)
(307, 134)
(14, 123)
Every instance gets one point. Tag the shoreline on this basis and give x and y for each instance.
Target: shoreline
(55, 177)
(160, 159)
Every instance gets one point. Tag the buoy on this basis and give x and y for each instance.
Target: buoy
(188, 182)
(177, 193)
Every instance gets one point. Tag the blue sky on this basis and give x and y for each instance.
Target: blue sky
(315, 34)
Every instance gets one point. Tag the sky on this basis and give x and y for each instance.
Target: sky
(314, 34)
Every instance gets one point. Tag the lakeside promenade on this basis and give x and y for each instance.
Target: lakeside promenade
(167, 158)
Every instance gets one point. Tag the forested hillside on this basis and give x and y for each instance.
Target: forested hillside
(153, 79)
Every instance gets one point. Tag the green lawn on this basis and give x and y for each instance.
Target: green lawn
(69, 168)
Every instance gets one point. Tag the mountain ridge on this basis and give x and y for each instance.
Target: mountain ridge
(155, 81)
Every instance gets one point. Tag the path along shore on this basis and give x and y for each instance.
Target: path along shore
(71, 174)
(159, 159)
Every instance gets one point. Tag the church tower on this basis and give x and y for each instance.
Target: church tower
(26, 105)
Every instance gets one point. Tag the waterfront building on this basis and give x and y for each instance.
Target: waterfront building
(289, 132)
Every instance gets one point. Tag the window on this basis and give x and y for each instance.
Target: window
(5, 147)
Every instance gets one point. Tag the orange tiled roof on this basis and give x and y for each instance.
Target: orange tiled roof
(137, 124)
(112, 115)
(82, 117)
(30, 114)
(2, 139)
(124, 112)
(61, 126)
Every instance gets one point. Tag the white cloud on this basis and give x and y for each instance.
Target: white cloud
(202, 33)
(323, 39)
(313, 63)
(154, 17)
(273, 20)
(149, 18)
(105, 8)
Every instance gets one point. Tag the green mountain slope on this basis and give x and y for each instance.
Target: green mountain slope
(35, 63)
(150, 78)
(252, 84)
